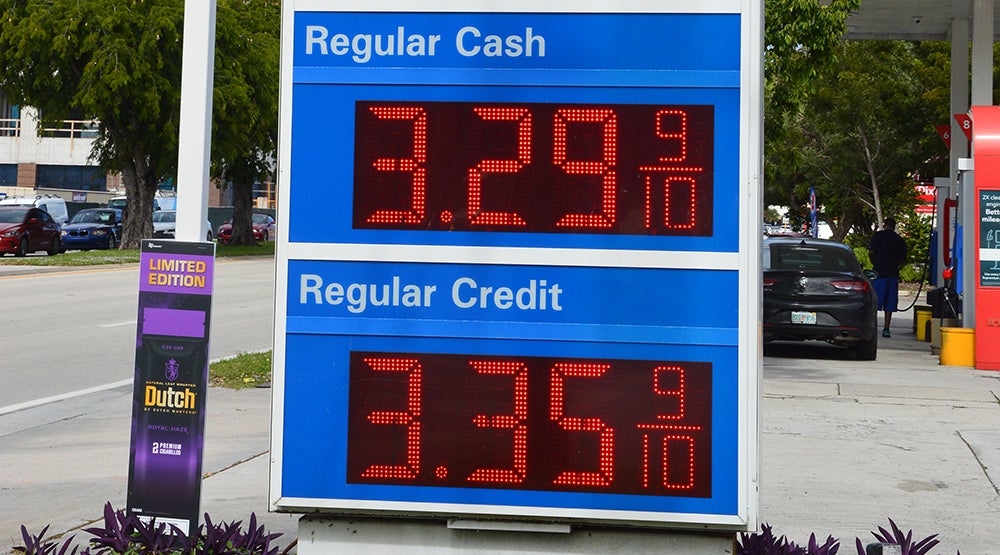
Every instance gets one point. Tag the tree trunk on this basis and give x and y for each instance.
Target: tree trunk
(243, 215)
(140, 188)
(873, 180)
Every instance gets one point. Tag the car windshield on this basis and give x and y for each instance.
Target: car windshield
(801, 256)
(259, 219)
(93, 217)
(12, 215)
(165, 216)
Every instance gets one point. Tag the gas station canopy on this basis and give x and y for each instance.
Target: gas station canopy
(910, 19)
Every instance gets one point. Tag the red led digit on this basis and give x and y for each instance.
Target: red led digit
(523, 118)
(409, 418)
(669, 470)
(670, 186)
(530, 423)
(677, 450)
(534, 167)
(673, 375)
(604, 167)
(606, 463)
(678, 211)
(416, 166)
(518, 422)
(678, 122)
(686, 462)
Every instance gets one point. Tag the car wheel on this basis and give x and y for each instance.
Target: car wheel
(208, 236)
(111, 243)
(867, 350)
(53, 247)
(22, 247)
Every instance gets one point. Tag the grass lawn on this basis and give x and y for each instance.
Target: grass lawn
(118, 256)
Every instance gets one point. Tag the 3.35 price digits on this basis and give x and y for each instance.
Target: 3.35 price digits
(616, 426)
(543, 168)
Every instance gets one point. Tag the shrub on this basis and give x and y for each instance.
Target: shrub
(127, 534)
(766, 543)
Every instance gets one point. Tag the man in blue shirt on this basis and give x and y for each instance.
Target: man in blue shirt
(887, 252)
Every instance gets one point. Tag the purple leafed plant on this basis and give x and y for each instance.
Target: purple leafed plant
(904, 540)
(123, 533)
(766, 543)
(118, 533)
(37, 545)
(829, 547)
(256, 540)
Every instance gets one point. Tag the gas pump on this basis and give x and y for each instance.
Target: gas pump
(944, 299)
(981, 238)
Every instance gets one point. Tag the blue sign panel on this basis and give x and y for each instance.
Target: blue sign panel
(510, 267)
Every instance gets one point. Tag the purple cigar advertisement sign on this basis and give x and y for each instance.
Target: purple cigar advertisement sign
(171, 381)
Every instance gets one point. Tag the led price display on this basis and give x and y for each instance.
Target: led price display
(535, 423)
(534, 167)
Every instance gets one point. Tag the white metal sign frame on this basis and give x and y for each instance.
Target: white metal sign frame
(297, 243)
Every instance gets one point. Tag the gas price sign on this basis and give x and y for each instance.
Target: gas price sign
(542, 168)
(508, 411)
(512, 280)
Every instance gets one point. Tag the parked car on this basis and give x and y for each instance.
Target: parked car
(26, 229)
(159, 203)
(93, 228)
(165, 225)
(263, 228)
(816, 289)
(55, 206)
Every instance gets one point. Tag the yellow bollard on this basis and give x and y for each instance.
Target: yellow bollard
(923, 320)
(958, 347)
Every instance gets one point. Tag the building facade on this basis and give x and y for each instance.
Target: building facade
(52, 158)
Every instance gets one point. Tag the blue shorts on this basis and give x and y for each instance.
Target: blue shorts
(887, 290)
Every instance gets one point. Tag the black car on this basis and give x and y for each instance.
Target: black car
(816, 289)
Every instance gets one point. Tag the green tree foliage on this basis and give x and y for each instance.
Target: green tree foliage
(110, 60)
(800, 40)
(861, 137)
(119, 62)
(245, 134)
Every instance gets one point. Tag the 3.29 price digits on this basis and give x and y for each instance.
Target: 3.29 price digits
(542, 168)
(536, 423)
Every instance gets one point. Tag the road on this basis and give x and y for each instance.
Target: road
(65, 403)
(69, 331)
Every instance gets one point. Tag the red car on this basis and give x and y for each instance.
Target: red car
(24, 229)
(263, 228)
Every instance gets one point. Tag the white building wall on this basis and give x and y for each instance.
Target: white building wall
(30, 148)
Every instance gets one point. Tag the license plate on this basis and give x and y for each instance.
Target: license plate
(803, 317)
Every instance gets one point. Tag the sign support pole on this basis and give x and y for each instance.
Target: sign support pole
(194, 153)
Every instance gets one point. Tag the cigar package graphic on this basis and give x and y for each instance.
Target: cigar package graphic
(168, 412)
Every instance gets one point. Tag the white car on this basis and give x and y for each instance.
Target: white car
(55, 206)
(165, 225)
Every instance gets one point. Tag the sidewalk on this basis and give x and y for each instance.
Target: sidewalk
(845, 445)
(63, 461)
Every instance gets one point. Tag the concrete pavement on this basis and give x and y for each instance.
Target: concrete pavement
(848, 444)
(61, 462)
(845, 445)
